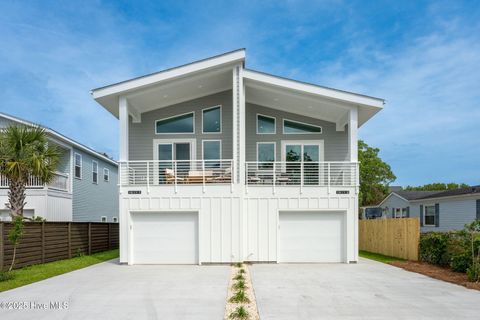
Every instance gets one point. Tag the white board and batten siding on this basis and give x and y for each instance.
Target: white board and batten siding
(234, 226)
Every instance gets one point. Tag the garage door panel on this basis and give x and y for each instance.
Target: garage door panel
(165, 237)
(311, 237)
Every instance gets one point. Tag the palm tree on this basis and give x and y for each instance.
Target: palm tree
(24, 153)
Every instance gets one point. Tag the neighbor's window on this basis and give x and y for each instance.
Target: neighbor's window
(178, 124)
(212, 120)
(400, 212)
(294, 127)
(265, 125)
(265, 154)
(429, 216)
(95, 171)
(106, 175)
(104, 219)
(115, 219)
(78, 166)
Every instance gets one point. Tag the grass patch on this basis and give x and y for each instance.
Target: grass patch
(239, 297)
(240, 285)
(240, 313)
(44, 271)
(378, 257)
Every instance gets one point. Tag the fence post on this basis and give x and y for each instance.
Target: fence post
(43, 242)
(89, 238)
(69, 240)
(1, 247)
(109, 233)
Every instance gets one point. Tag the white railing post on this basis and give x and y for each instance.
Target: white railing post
(246, 177)
(148, 177)
(203, 175)
(175, 174)
(232, 170)
(328, 177)
(301, 176)
(274, 177)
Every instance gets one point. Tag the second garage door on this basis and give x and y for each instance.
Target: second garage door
(311, 236)
(165, 237)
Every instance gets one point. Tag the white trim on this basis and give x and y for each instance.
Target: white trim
(61, 137)
(221, 120)
(192, 142)
(320, 144)
(425, 214)
(108, 174)
(303, 123)
(94, 165)
(176, 116)
(274, 124)
(75, 154)
(211, 140)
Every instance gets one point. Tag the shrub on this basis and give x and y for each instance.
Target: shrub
(473, 272)
(240, 284)
(5, 276)
(239, 277)
(239, 297)
(433, 248)
(239, 313)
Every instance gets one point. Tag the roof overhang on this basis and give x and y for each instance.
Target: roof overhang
(308, 99)
(149, 92)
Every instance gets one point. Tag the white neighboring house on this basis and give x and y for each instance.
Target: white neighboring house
(84, 188)
(220, 163)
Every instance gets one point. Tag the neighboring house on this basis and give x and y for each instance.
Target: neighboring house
(84, 188)
(437, 210)
(219, 163)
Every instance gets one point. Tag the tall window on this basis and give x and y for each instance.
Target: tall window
(265, 125)
(178, 124)
(429, 216)
(78, 166)
(265, 154)
(106, 175)
(212, 120)
(294, 127)
(212, 150)
(95, 171)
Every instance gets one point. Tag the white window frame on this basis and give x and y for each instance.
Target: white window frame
(94, 164)
(75, 164)
(299, 122)
(211, 140)
(320, 143)
(402, 213)
(425, 215)
(175, 116)
(274, 154)
(107, 171)
(115, 219)
(274, 123)
(221, 122)
(103, 219)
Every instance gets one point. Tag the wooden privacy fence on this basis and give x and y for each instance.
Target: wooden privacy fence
(50, 241)
(392, 237)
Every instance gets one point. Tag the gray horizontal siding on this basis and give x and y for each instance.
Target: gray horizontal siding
(335, 142)
(141, 135)
(92, 201)
(454, 214)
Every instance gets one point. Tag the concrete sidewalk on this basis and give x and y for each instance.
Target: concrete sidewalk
(112, 291)
(367, 290)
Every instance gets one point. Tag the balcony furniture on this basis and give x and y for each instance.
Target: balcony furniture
(171, 178)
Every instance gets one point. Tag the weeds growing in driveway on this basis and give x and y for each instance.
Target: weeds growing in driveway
(240, 313)
(240, 297)
(239, 277)
(241, 271)
(240, 284)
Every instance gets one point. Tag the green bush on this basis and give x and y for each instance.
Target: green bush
(5, 276)
(433, 248)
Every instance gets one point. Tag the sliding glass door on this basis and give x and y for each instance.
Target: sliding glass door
(304, 155)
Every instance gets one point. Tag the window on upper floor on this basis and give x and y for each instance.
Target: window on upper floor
(212, 150)
(78, 166)
(178, 124)
(429, 216)
(265, 124)
(265, 154)
(106, 175)
(95, 171)
(212, 120)
(295, 127)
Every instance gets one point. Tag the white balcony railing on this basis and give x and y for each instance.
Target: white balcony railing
(60, 182)
(176, 172)
(329, 174)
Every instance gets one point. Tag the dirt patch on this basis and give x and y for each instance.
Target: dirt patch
(437, 272)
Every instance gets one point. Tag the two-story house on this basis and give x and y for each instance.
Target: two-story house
(220, 163)
(84, 187)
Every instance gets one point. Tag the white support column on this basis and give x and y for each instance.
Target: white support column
(238, 91)
(242, 130)
(123, 117)
(353, 134)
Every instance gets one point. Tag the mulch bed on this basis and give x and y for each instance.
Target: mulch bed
(437, 272)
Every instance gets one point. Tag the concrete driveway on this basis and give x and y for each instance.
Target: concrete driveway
(367, 290)
(112, 291)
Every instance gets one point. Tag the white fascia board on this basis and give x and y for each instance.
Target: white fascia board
(447, 198)
(313, 89)
(169, 74)
(61, 137)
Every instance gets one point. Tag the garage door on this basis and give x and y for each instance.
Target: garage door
(311, 237)
(165, 237)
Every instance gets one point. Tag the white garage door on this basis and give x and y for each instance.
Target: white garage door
(311, 237)
(165, 237)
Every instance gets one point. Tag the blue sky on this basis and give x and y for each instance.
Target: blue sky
(422, 57)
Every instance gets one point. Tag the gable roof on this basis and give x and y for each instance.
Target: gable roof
(454, 192)
(60, 137)
(408, 195)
